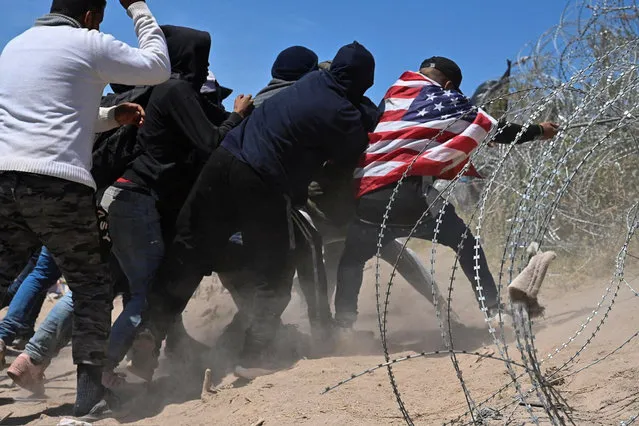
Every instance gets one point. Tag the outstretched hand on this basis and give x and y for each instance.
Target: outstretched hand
(129, 113)
(549, 130)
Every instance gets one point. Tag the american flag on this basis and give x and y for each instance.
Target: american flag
(437, 129)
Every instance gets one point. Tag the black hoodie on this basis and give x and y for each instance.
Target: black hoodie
(316, 120)
(177, 137)
(114, 150)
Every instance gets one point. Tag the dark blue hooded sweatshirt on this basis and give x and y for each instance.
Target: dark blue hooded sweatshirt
(316, 120)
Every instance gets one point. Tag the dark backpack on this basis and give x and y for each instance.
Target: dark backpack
(114, 150)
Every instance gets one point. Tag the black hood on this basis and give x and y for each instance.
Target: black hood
(294, 63)
(189, 51)
(354, 69)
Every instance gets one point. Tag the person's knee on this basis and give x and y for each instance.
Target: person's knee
(136, 303)
(355, 255)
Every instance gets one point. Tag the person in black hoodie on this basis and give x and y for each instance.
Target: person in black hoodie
(213, 94)
(249, 185)
(142, 205)
(290, 65)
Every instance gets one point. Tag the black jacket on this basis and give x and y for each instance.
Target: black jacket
(507, 132)
(317, 119)
(177, 137)
(114, 150)
(337, 200)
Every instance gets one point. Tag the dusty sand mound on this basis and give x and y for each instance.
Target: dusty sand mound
(603, 394)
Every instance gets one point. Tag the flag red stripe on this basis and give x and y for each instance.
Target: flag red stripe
(403, 92)
(392, 115)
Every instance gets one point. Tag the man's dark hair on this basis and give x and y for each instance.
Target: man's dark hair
(77, 8)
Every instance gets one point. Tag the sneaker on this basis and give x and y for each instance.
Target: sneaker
(28, 375)
(100, 411)
(111, 407)
(3, 353)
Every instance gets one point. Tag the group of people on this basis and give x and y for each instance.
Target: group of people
(145, 191)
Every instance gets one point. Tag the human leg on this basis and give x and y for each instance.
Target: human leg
(311, 272)
(241, 286)
(54, 333)
(63, 215)
(266, 232)
(29, 298)
(15, 285)
(27, 371)
(455, 234)
(17, 240)
(204, 226)
(360, 246)
(136, 238)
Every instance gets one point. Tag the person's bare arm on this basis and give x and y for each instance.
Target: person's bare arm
(120, 115)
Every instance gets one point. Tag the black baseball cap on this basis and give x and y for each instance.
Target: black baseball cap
(447, 66)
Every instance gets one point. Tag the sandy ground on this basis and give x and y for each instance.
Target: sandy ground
(603, 394)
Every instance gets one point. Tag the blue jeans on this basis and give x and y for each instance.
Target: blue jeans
(15, 285)
(54, 333)
(27, 302)
(137, 244)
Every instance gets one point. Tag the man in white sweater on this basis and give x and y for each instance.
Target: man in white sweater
(51, 80)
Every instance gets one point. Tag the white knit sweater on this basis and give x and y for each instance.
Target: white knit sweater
(51, 82)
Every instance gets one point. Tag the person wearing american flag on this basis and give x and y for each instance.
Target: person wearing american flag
(428, 129)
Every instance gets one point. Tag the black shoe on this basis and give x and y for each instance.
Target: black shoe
(111, 407)
(100, 411)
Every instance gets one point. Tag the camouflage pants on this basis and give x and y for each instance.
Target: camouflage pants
(38, 210)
